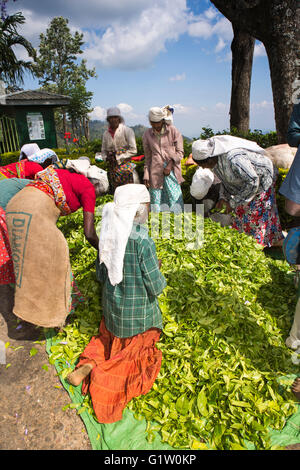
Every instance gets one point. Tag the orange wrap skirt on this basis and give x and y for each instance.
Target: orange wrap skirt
(125, 368)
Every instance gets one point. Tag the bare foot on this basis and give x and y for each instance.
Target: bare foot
(76, 377)
(296, 388)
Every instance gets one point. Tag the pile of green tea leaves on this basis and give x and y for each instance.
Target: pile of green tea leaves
(227, 310)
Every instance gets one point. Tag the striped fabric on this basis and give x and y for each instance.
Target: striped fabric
(16, 170)
(7, 275)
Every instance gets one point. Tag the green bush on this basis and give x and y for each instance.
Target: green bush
(90, 148)
(264, 140)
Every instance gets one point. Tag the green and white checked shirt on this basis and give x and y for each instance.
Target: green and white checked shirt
(131, 307)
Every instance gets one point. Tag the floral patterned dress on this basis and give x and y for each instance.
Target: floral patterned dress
(248, 184)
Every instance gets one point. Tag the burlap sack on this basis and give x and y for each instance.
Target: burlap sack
(41, 259)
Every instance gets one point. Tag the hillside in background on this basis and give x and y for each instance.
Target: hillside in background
(97, 129)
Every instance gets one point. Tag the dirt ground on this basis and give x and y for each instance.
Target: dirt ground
(31, 398)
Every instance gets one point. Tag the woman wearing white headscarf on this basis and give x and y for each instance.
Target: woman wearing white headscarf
(118, 147)
(248, 179)
(123, 362)
(163, 149)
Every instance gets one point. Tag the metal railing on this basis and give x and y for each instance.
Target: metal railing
(9, 139)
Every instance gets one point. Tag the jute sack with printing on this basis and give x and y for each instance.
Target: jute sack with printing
(41, 259)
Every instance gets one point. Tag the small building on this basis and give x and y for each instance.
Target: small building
(28, 117)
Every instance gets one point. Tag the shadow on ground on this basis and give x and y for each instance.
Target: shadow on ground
(31, 414)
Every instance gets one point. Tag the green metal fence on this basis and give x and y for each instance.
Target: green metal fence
(9, 140)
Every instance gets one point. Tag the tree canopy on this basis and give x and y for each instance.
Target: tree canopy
(12, 69)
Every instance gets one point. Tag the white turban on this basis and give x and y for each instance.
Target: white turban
(42, 155)
(156, 114)
(202, 149)
(116, 227)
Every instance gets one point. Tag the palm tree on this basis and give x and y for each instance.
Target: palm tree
(12, 69)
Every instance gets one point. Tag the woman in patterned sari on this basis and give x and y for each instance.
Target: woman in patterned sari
(118, 147)
(163, 148)
(248, 180)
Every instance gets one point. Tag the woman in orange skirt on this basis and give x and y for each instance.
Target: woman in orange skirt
(122, 361)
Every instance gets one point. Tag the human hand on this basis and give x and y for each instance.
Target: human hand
(146, 183)
(222, 204)
(168, 169)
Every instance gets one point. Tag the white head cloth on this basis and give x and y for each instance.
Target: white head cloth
(83, 166)
(28, 149)
(202, 181)
(168, 110)
(42, 155)
(116, 226)
(114, 111)
(202, 149)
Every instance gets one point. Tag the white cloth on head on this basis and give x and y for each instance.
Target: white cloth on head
(219, 144)
(113, 112)
(42, 155)
(28, 149)
(157, 114)
(117, 222)
(202, 180)
(168, 110)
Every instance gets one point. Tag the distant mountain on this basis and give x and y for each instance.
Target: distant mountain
(97, 129)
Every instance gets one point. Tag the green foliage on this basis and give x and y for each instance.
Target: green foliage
(264, 140)
(12, 69)
(58, 69)
(227, 310)
(90, 148)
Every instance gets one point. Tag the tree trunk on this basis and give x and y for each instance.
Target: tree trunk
(282, 70)
(274, 23)
(64, 121)
(242, 48)
(86, 128)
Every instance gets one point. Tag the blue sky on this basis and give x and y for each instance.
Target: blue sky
(155, 53)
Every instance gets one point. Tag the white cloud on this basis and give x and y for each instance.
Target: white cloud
(209, 24)
(221, 106)
(211, 13)
(221, 45)
(126, 35)
(91, 14)
(200, 29)
(222, 28)
(259, 50)
(178, 78)
(134, 44)
(181, 109)
(262, 105)
(125, 108)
